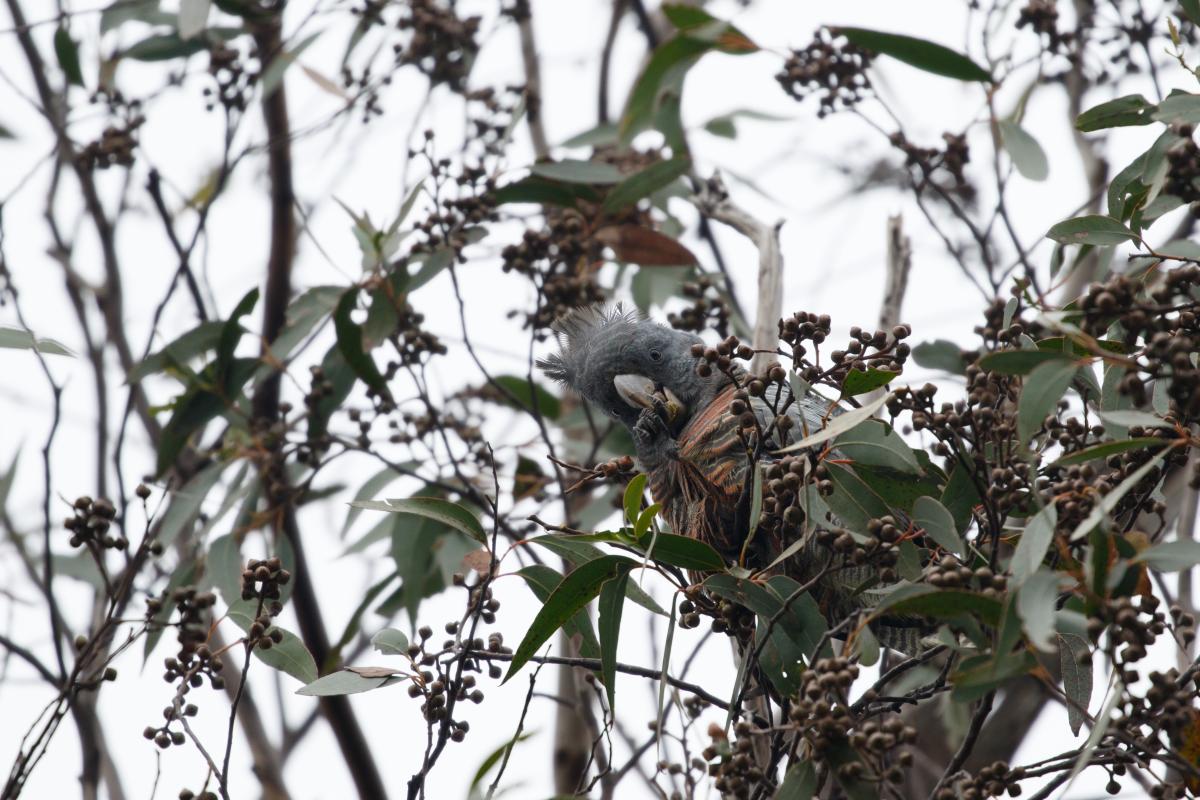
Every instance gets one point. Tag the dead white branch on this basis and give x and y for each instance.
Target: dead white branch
(899, 264)
(713, 200)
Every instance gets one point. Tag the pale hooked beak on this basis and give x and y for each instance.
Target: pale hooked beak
(640, 392)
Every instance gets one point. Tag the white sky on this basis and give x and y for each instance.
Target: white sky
(833, 247)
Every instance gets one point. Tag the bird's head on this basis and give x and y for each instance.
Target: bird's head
(620, 363)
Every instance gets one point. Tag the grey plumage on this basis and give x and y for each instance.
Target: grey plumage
(686, 436)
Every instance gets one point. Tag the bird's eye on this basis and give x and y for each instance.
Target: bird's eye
(655, 356)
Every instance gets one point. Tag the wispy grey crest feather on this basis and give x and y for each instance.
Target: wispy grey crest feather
(576, 331)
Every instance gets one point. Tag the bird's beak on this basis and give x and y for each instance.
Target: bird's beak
(640, 392)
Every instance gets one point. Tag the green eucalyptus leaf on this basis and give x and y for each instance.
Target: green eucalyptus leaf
(576, 590)
(938, 523)
(919, 53)
(611, 604)
(1020, 362)
(838, 425)
(352, 680)
(390, 642)
(67, 51)
(1036, 604)
(1171, 556)
(1027, 155)
(641, 184)
(163, 47)
(1035, 541)
(1105, 449)
(289, 656)
(576, 171)
(350, 343)
(1132, 109)
(799, 782)
(1094, 229)
(17, 339)
(875, 443)
(862, 381)
(436, 509)
(542, 581)
(1042, 390)
(1178, 108)
(940, 354)
(1074, 656)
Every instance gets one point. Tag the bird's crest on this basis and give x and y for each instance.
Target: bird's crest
(576, 331)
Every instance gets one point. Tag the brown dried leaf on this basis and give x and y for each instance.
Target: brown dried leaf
(649, 248)
(479, 560)
(376, 672)
(325, 83)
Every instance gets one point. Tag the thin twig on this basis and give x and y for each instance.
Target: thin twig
(593, 664)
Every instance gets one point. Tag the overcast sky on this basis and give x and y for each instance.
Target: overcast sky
(833, 244)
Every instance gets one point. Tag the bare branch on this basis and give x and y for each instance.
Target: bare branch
(713, 201)
(533, 86)
(899, 264)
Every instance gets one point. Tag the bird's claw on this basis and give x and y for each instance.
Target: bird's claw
(652, 425)
(652, 435)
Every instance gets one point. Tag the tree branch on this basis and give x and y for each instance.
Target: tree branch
(533, 86)
(342, 721)
(713, 201)
(899, 264)
(593, 664)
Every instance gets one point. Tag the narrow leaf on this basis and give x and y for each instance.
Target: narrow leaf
(1040, 395)
(643, 183)
(350, 681)
(1110, 501)
(683, 552)
(940, 354)
(632, 500)
(390, 642)
(433, 508)
(186, 501)
(530, 396)
(938, 523)
(862, 381)
(1074, 657)
(576, 171)
(17, 339)
(1171, 556)
(1132, 109)
(576, 591)
(1036, 606)
(1094, 229)
(193, 17)
(542, 581)
(838, 425)
(1027, 155)
(799, 783)
(1128, 418)
(1035, 541)
(68, 56)
(290, 655)
(374, 485)
(611, 604)
(163, 47)
(919, 53)
(1019, 362)
(1106, 449)
(350, 343)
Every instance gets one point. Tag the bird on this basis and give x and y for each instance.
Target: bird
(684, 420)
